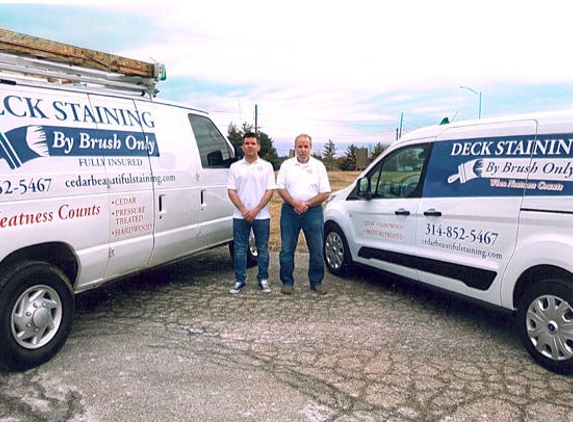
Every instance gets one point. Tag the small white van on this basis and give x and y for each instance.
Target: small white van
(482, 209)
(98, 179)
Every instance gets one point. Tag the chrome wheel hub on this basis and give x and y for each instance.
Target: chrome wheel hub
(36, 317)
(550, 327)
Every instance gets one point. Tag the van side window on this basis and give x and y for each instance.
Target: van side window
(399, 175)
(213, 148)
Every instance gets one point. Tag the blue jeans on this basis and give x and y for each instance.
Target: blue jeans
(241, 231)
(312, 225)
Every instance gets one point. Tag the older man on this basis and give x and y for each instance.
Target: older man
(303, 185)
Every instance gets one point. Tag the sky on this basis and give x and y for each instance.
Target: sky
(352, 72)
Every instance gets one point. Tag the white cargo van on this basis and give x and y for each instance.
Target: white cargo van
(98, 179)
(482, 209)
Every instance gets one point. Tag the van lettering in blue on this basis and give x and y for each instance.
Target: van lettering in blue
(23, 144)
(506, 166)
(37, 108)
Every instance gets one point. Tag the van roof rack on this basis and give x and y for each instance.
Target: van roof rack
(63, 63)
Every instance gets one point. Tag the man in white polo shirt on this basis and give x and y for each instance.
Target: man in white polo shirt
(303, 185)
(250, 187)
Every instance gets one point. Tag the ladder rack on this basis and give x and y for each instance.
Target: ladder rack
(32, 56)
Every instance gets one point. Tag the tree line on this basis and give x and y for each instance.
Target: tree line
(346, 162)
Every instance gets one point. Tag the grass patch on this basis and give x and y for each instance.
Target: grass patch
(338, 180)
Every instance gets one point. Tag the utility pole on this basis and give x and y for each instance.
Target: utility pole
(399, 129)
(256, 118)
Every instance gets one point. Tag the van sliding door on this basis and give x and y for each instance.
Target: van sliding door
(473, 193)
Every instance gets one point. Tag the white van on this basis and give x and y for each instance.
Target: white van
(98, 179)
(482, 209)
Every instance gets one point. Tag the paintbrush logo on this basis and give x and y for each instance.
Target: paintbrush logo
(23, 144)
(468, 171)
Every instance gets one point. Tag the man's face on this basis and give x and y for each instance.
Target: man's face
(303, 148)
(251, 147)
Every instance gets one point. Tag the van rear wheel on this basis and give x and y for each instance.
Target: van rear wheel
(36, 313)
(252, 252)
(545, 324)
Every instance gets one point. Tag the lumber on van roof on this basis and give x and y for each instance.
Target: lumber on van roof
(38, 48)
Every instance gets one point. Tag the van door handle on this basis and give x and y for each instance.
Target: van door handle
(432, 213)
(161, 204)
(402, 211)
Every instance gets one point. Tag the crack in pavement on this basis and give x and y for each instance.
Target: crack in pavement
(371, 349)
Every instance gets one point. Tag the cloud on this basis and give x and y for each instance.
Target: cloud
(345, 71)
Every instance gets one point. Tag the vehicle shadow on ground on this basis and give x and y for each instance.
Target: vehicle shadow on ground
(499, 323)
(207, 265)
(215, 267)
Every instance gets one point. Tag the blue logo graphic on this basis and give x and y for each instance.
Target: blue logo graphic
(26, 143)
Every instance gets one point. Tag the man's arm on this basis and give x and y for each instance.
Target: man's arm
(249, 215)
(264, 201)
(303, 206)
(318, 199)
(234, 197)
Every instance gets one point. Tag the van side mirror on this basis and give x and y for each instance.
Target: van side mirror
(363, 188)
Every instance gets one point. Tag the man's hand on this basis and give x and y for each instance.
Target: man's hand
(249, 215)
(300, 207)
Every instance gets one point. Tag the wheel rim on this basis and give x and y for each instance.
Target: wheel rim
(550, 327)
(252, 244)
(334, 250)
(36, 316)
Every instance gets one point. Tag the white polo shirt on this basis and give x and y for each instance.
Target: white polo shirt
(251, 181)
(303, 181)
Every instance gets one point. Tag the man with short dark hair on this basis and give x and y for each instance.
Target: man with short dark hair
(250, 187)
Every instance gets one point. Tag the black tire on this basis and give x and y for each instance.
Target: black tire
(335, 250)
(545, 324)
(252, 253)
(36, 314)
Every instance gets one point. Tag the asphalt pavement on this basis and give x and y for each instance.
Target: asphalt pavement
(174, 345)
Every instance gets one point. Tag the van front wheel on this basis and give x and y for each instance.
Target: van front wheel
(545, 324)
(336, 253)
(36, 313)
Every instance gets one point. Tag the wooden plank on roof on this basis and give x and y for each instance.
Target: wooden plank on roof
(29, 46)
